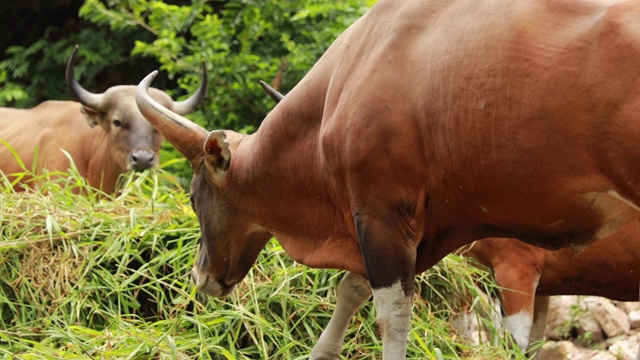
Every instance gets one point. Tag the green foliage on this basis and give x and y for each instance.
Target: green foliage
(35, 73)
(106, 277)
(9, 92)
(569, 328)
(241, 41)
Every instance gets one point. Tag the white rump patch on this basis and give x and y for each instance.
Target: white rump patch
(618, 212)
(615, 194)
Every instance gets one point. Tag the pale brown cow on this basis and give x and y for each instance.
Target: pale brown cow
(529, 275)
(425, 126)
(104, 134)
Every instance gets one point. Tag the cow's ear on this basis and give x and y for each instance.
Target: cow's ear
(92, 115)
(217, 154)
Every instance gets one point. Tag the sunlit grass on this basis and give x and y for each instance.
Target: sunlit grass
(95, 276)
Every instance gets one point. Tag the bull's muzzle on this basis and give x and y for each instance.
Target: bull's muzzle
(142, 159)
(209, 285)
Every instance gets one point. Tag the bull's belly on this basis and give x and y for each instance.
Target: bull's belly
(610, 267)
(576, 224)
(609, 287)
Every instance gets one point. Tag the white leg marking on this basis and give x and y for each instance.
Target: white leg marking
(472, 328)
(393, 314)
(519, 325)
(495, 315)
(466, 323)
(352, 292)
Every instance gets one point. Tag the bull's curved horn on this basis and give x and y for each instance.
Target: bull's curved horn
(275, 95)
(187, 136)
(85, 97)
(189, 105)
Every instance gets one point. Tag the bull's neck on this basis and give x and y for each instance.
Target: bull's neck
(96, 164)
(282, 172)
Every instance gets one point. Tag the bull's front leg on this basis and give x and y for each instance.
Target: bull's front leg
(352, 292)
(393, 313)
(390, 261)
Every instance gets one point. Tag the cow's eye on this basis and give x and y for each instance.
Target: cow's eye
(117, 123)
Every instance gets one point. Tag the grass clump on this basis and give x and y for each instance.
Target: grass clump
(95, 276)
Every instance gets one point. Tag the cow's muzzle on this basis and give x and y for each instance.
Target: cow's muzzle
(142, 159)
(209, 285)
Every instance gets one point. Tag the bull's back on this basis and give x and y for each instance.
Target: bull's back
(477, 76)
(519, 112)
(38, 134)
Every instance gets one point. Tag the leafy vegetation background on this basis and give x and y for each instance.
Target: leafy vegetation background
(121, 41)
(101, 277)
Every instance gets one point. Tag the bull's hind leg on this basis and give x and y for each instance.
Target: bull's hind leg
(352, 292)
(519, 283)
(540, 310)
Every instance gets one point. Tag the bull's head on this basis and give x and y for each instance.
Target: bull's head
(231, 241)
(134, 143)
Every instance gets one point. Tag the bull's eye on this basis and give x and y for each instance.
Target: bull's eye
(117, 123)
(193, 203)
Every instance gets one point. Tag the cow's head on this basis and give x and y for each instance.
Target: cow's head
(230, 240)
(132, 141)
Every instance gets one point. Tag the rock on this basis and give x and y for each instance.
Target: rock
(613, 320)
(589, 354)
(612, 328)
(559, 319)
(559, 350)
(626, 348)
(634, 319)
(610, 341)
(627, 306)
(566, 350)
(588, 329)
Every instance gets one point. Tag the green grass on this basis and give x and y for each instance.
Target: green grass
(107, 277)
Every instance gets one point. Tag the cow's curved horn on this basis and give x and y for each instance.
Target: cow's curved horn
(187, 136)
(189, 105)
(275, 95)
(85, 97)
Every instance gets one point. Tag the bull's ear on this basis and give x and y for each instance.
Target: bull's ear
(92, 115)
(217, 154)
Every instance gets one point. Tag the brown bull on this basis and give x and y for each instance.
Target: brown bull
(529, 275)
(104, 134)
(425, 126)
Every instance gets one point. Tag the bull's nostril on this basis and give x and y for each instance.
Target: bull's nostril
(142, 159)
